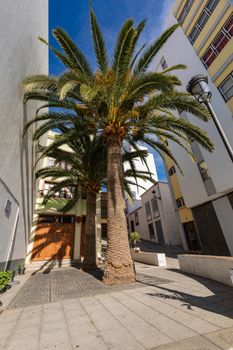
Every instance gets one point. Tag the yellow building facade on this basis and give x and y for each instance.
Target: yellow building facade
(208, 24)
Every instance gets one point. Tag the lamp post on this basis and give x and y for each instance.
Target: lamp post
(199, 88)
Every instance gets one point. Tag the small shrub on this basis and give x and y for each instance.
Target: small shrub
(5, 279)
(135, 237)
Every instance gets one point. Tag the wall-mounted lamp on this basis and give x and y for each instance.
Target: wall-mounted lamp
(154, 195)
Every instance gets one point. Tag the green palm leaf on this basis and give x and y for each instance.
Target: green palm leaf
(40, 81)
(151, 52)
(74, 54)
(123, 49)
(99, 44)
(65, 60)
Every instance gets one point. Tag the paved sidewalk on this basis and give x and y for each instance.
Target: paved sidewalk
(181, 312)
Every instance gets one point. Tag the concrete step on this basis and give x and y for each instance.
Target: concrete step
(48, 264)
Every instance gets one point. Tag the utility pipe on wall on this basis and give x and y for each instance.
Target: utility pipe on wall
(12, 238)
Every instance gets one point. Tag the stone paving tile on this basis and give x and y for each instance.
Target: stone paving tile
(140, 329)
(172, 329)
(223, 338)
(83, 333)
(181, 317)
(195, 343)
(204, 311)
(101, 317)
(172, 296)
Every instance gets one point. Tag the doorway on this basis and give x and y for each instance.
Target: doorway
(191, 236)
(151, 231)
(53, 238)
(159, 231)
(132, 225)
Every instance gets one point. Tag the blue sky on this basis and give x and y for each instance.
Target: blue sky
(73, 16)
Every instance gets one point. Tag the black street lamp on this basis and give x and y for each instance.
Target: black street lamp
(154, 195)
(199, 88)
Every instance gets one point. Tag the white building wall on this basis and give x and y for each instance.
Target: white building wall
(166, 214)
(141, 228)
(21, 22)
(140, 165)
(178, 50)
(170, 218)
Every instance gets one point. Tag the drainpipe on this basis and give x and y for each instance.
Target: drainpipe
(77, 229)
(12, 239)
(98, 226)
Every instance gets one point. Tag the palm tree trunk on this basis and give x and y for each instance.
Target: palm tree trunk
(89, 261)
(119, 267)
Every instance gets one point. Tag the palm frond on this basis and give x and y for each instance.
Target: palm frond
(179, 101)
(151, 52)
(99, 44)
(137, 54)
(162, 149)
(148, 83)
(40, 81)
(123, 48)
(68, 206)
(53, 172)
(55, 116)
(176, 67)
(65, 60)
(74, 54)
(170, 122)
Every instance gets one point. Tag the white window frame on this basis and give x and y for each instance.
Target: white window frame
(223, 93)
(197, 25)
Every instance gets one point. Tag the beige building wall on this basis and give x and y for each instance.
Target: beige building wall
(21, 22)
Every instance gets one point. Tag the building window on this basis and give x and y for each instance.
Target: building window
(202, 20)
(51, 162)
(171, 171)
(148, 211)
(132, 226)
(136, 218)
(155, 209)
(203, 168)
(218, 43)
(180, 202)
(185, 11)
(163, 63)
(226, 88)
(104, 209)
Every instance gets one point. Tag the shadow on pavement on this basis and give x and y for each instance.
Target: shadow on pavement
(221, 302)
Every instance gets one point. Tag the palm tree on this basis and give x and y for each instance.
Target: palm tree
(85, 164)
(125, 102)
